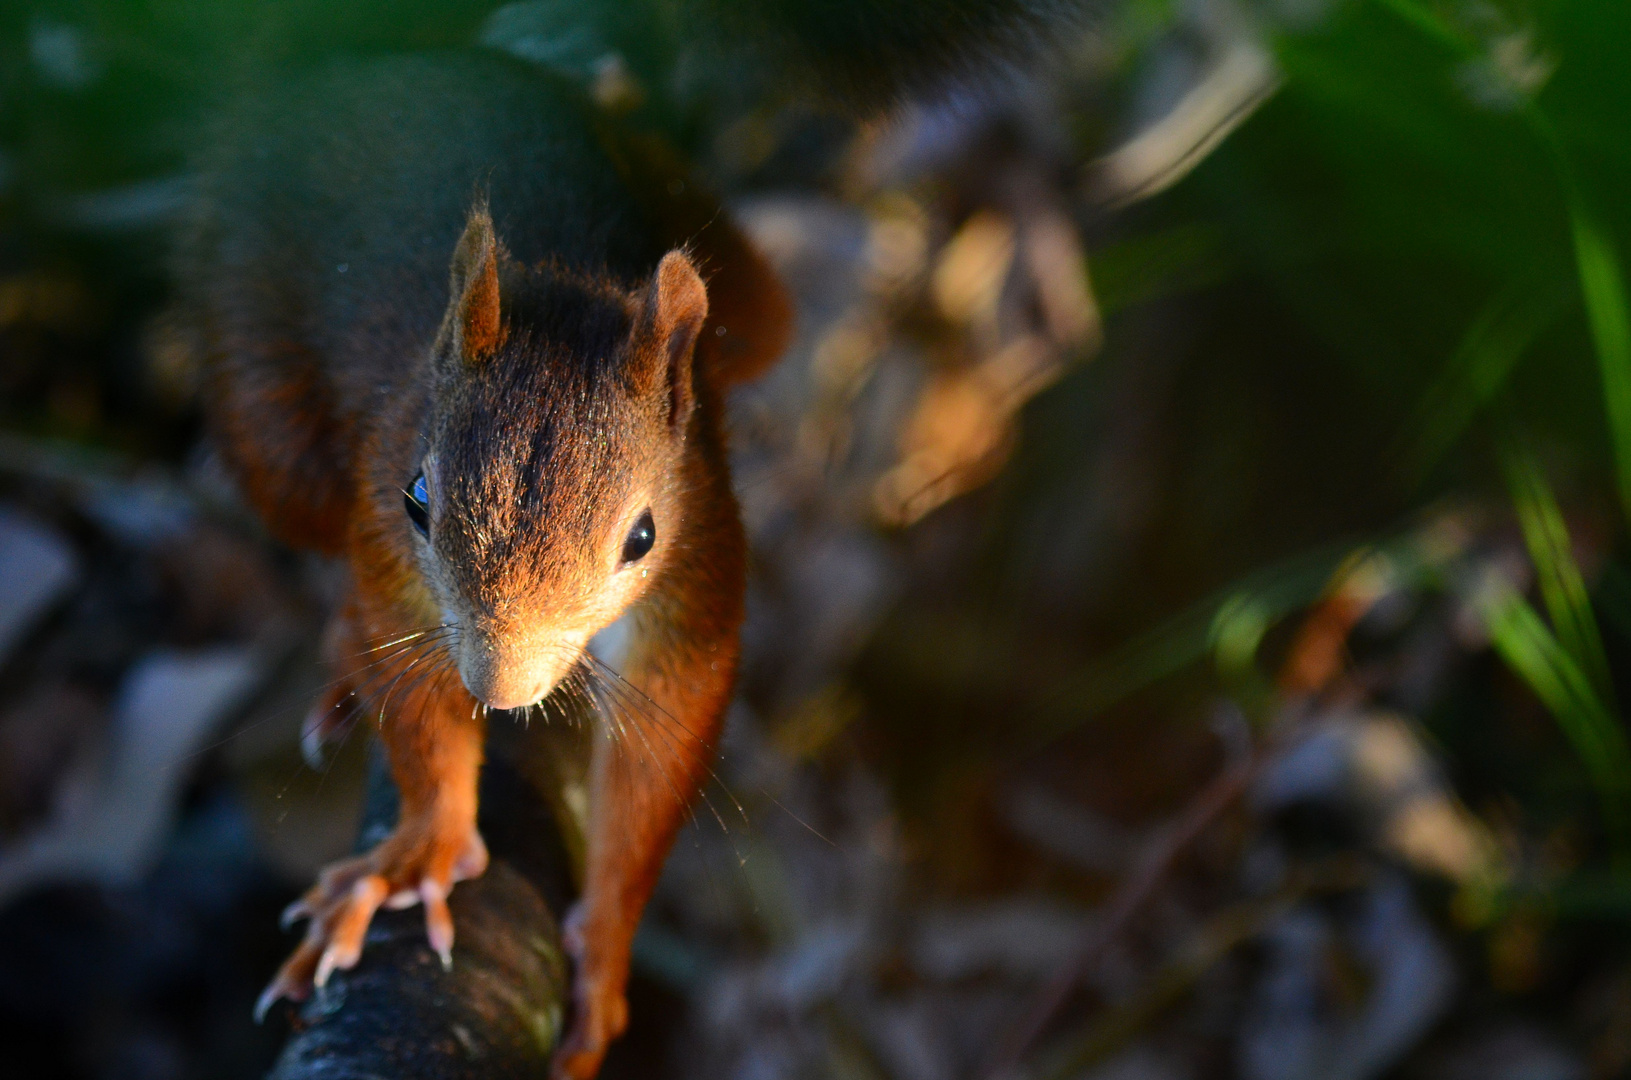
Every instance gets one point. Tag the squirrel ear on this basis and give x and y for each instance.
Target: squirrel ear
(475, 289)
(675, 309)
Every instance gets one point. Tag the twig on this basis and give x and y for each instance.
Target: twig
(1135, 891)
(1315, 665)
(1221, 935)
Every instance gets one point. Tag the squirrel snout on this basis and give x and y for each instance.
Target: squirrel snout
(504, 680)
(501, 690)
(503, 700)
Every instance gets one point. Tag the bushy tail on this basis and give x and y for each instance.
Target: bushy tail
(863, 55)
(858, 56)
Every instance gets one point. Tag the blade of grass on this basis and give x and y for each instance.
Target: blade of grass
(1182, 641)
(1172, 261)
(1488, 352)
(1431, 25)
(1614, 597)
(1562, 588)
(1534, 653)
(1603, 287)
(1597, 265)
(1235, 636)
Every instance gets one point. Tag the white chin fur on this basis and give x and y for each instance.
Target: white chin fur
(611, 645)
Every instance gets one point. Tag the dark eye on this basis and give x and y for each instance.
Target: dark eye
(416, 499)
(641, 537)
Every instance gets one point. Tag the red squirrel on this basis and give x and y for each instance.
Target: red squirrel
(451, 341)
(465, 337)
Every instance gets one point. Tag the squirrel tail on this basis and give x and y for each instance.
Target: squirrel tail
(856, 56)
(866, 55)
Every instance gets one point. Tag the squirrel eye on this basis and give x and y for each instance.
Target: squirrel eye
(416, 499)
(641, 538)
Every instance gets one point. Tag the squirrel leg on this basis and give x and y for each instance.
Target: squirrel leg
(433, 740)
(667, 710)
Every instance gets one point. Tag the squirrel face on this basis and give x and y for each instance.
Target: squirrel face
(553, 490)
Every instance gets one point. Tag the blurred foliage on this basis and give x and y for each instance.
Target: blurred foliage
(1410, 251)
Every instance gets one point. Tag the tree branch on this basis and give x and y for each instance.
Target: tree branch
(497, 1013)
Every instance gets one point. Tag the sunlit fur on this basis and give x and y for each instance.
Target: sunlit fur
(444, 262)
(540, 457)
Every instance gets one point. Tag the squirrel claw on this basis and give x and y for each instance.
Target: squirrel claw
(342, 904)
(438, 921)
(324, 723)
(472, 861)
(294, 913)
(268, 998)
(311, 747)
(325, 968)
(292, 982)
(347, 924)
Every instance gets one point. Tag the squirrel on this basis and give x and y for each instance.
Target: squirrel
(464, 336)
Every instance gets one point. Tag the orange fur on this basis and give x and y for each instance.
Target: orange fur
(550, 407)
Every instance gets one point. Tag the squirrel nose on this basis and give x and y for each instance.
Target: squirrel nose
(500, 690)
(506, 677)
(507, 701)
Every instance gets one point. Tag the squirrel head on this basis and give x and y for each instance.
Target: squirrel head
(553, 489)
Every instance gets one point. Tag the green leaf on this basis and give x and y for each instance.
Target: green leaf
(1562, 588)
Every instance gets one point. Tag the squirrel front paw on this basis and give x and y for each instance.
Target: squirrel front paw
(418, 863)
(600, 1011)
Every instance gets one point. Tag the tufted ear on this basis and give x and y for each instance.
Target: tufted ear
(676, 306)
(474, 316)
